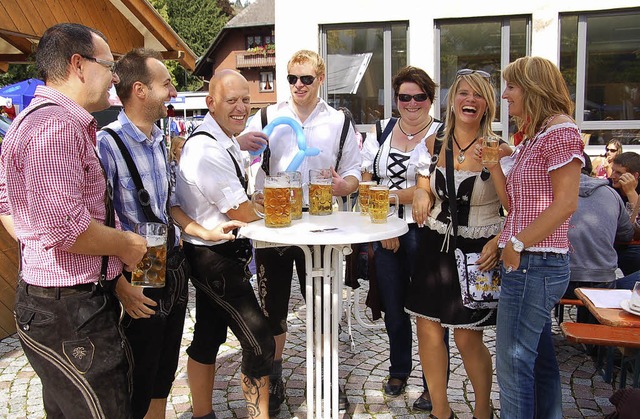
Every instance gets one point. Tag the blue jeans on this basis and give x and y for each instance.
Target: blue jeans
(627, 282)
(393, 272)
(526, 364)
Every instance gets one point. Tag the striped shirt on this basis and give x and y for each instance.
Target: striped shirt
(52, 183)
(150, 158)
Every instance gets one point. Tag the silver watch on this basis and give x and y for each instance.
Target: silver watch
(518, 246)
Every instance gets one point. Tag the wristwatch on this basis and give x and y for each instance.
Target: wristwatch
(518, 246)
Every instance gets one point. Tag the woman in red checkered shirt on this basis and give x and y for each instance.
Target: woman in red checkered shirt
(538, 185)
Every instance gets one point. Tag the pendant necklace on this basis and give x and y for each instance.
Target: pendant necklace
(410, 136)
(461, 156)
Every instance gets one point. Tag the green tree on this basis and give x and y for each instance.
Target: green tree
(197, 23)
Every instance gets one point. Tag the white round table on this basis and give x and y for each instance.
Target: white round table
(336, 232)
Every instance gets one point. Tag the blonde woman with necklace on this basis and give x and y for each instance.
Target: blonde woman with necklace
(434, 296)
(386, 158)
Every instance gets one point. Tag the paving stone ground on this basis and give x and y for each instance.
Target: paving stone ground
(363, 370)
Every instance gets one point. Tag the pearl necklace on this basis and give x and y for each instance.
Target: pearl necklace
(410, 136)
(461, 156)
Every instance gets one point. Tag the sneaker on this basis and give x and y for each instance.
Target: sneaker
(276, 396)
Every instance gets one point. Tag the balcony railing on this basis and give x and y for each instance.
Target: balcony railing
(246, 59)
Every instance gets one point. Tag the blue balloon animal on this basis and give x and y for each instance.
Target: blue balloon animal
(303, 150)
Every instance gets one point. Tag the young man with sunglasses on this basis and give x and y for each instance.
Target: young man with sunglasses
(322, 126)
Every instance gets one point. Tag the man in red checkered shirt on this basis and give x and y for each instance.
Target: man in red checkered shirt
(53, 199)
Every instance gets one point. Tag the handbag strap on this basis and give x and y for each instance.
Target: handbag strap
(451, 192)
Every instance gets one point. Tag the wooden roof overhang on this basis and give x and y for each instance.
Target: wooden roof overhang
(127, 24)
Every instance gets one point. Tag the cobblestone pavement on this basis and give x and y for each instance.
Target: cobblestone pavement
(363, 370)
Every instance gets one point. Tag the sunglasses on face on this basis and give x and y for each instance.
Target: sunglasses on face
(612, 150)
(467, 71)
(306, 80)
(420, 97)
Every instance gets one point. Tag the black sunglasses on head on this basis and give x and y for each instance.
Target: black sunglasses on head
(306, 80)
(420, 97)
(467, 71)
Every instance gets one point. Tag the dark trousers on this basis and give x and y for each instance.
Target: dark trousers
(155, 342)
(75, 345)
(225, 298)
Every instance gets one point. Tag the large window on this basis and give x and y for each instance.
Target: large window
(361, 61)
(487, 44)
(600, 60)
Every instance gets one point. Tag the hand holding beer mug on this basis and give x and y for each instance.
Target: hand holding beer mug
(295, 183)
(490, 151)
(151, 271)
(277, 202)
(379, 208)
(363, 196)
(320, 192)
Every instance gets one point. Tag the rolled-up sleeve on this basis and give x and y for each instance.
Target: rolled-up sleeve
(217, 179)
(351, 162)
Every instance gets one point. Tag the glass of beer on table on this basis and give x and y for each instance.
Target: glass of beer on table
(363, 195)
(490, 150)
(277, 201)
(379, 208)
(320, 192)
(151, 271)
(295, 183)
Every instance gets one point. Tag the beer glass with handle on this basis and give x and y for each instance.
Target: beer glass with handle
(151, 270)
(277, 202)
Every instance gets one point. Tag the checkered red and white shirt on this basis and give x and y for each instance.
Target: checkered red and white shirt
(529, 184)
(52, 183)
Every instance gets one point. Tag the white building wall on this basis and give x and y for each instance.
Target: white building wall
(298, 23)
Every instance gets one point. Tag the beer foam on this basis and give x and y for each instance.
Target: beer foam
(153, 241)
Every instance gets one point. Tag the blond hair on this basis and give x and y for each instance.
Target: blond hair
(305, 56)
(176, 142)
(481, 85)
(544, 92)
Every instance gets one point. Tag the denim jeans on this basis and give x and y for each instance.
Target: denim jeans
(526, 364)
(393, 274)
(627, 282)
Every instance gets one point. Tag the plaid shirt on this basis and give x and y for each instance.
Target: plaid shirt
(529, 184)
(150, 158)
(52, 184)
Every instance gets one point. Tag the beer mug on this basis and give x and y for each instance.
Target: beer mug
(363, 196)
(277, 202)
(151, 270)
(379, 208)
(295, 183)
(320, 192)
(490, 150)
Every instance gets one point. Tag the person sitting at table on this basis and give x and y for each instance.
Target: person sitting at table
(602, 164)
(434, 294)
(599, 221)
(387, 159)
(625, 171)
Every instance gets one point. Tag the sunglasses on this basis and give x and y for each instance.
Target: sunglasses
(111, 65)
(420, 97)
(306, 80)
(612, 150)
(467, 71)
